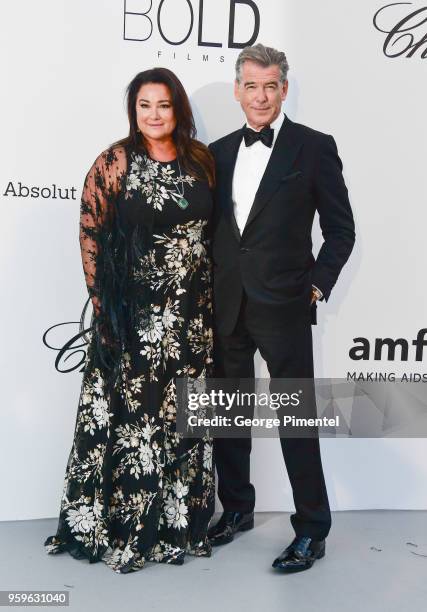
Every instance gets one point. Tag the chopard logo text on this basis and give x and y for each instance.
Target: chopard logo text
(406, 32)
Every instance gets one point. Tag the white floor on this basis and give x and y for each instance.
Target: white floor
(375, 560)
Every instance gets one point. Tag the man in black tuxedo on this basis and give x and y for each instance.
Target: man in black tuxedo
(272, 176)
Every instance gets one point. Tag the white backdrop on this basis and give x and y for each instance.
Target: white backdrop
(65, 66)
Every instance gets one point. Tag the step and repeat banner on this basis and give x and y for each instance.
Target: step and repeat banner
(357, 71)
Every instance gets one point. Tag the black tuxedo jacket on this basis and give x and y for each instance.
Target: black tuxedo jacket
(272, 260)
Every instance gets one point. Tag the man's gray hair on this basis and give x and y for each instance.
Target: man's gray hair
(264, 56)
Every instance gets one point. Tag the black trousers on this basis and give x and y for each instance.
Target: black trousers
(285, 343)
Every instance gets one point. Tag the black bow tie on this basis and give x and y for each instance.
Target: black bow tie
(266, 136)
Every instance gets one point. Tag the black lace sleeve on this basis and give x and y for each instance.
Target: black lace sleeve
(101, 186)
(98, 229)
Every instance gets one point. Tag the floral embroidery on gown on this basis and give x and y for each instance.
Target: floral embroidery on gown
(135, 490)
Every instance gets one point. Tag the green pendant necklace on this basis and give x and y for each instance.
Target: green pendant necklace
(182, 202)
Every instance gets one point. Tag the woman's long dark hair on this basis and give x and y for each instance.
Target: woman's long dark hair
(194, 155)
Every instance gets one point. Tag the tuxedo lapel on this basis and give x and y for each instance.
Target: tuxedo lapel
(228, 163)
(284, 152)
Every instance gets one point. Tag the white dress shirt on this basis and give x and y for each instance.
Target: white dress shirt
(250, 166)
(251, 163)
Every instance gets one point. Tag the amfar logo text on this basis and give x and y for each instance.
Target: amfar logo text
(406, 36)
(395, 349)
(139, 24)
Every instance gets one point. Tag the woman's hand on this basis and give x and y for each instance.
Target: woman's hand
(96, 303)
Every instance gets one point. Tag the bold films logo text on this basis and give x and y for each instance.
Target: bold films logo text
(181, 27)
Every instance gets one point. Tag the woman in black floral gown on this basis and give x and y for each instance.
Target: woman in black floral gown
(135, 490)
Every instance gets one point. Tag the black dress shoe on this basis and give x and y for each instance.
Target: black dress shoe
(300, 555)
(229, 523)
